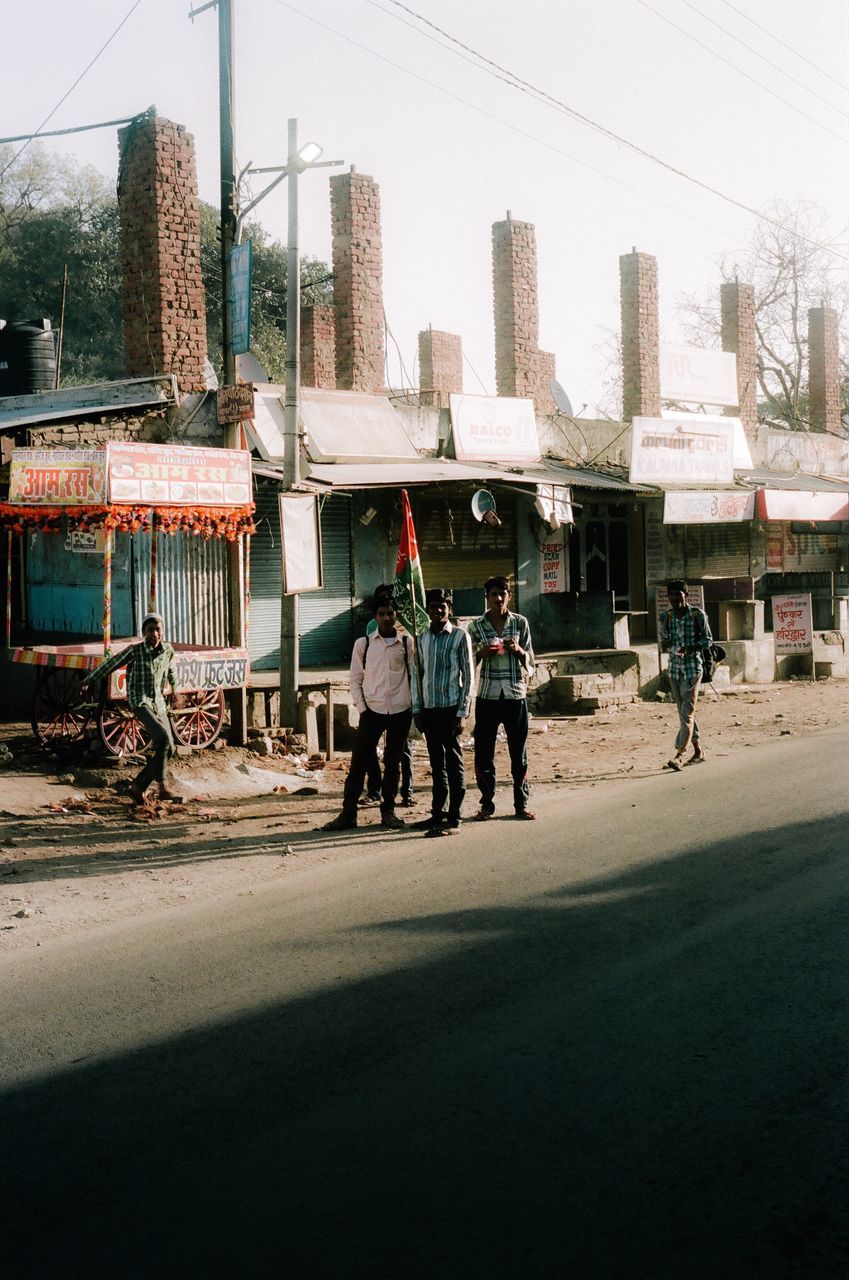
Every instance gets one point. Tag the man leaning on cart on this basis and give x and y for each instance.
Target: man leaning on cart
(150, 666)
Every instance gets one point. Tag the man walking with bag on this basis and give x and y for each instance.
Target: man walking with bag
(685, 636)
(440, 705)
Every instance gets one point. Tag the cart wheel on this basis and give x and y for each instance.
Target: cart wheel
(59, 714)
(121, 732)
(197, 723)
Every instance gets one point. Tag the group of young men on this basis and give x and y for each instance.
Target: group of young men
(397, 679)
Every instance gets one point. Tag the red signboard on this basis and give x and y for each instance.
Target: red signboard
(57, 478)
(179, 476)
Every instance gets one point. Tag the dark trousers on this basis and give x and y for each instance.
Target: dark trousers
(371, 726)
(373, 782)
(159, 727)
(512, 713)
(446, 760)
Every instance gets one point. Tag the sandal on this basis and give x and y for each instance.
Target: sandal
(698, 757)
(525, 814)
(674, 764)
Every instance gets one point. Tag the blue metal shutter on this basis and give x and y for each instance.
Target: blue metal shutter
(325, 616)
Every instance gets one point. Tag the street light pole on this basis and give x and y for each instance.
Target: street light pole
(289, 637)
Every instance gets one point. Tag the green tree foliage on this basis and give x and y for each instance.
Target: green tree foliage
(53, 215)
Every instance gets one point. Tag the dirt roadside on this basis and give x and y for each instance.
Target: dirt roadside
(75, 855)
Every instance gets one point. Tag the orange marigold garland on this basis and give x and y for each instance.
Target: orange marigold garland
(203, 522)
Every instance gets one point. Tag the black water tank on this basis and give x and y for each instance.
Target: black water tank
(27, 357)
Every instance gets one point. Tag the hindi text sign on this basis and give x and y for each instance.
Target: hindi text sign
(682, 450)
(792, 629)
(552, 563)
(234, 404)
(178, 475)
(57, 478)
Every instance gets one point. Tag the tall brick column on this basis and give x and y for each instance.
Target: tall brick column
(521, 369)
(318, 347)
(358, 281)
(824, 371)
(440, 366)
(640, 335)
(739, 335)
(163, 303)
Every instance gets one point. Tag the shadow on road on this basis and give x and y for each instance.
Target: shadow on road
(641, 1076)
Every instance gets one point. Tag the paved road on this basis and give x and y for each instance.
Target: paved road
(613, 1044)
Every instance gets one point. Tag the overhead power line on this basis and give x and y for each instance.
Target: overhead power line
(68, 92)
(524, 86)
(786, 46)
(787, 103)
(751, 49)
(79, 128)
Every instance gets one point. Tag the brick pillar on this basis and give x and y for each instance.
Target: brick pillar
(640, 335)
(163, 302)
(738, 335)
(824, 371)
(521, 369)
(440, 366)
(318, 347)
(358, 282)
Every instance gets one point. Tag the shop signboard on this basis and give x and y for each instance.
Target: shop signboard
(235, 403)
(494, 429)
(57, 478)
(682, 450)
(708, 506)
(552, 563)
(178, 475)
(792, 628)
(698, 376)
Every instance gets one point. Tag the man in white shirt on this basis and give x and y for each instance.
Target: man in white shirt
(381, 665)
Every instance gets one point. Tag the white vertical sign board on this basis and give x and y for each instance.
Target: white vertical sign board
(552, 563)
(792, 629)
(300, 541)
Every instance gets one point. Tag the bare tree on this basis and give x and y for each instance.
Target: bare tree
(793, 266)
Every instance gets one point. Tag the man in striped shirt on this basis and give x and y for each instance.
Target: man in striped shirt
(684, 635)
(442, 698)
(501, 643)
(150, 666)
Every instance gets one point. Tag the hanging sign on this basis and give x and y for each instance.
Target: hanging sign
(707, 506)
(57, 477)
(240, 267)
(552, 563)
(792, 629)
(234, 404)
(179, 476)
(698, 376)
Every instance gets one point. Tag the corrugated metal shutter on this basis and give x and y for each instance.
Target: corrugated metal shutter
(715, 550)
(65, 588)
(191, 586)
(325, 616)
(458, 552)
(802, 552)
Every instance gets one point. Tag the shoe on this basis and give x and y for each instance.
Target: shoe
(452, 823)
(135, 793)
(407, 801)
(165, 794)
(675, 764)
(486, 810)
(392, 821)
(424, 824)
(342, 823)
(525, 814)
(698, 757)
(437, 831)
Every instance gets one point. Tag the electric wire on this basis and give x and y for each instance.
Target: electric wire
(689, 36)
(784, 45)
(541, 95)
(68, 92)
(549, 146)
(751, 49)
(79, 128)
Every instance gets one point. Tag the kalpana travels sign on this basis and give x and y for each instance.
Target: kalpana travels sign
(682, 450)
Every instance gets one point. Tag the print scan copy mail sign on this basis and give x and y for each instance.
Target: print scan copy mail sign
(552, 563)
(792, 629)
(682, 450)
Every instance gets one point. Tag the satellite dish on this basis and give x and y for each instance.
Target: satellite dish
(483, 508)
(560, 398)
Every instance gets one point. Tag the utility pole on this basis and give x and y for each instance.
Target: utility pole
(289, 637)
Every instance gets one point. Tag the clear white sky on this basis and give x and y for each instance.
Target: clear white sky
(454, 148)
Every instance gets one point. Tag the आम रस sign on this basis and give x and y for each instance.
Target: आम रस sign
(178, 476)
(792, 629)
(679, 450)
(57, 478)
(707, 506)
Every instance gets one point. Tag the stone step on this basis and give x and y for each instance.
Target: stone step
(602, 700)
(565, 690)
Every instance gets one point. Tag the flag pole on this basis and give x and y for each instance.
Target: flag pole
(408, 523)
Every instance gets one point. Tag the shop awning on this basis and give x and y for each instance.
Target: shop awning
(373, 475)
(797, 497)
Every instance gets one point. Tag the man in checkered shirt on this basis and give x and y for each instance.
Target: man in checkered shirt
(684, 635)
(150, 666)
